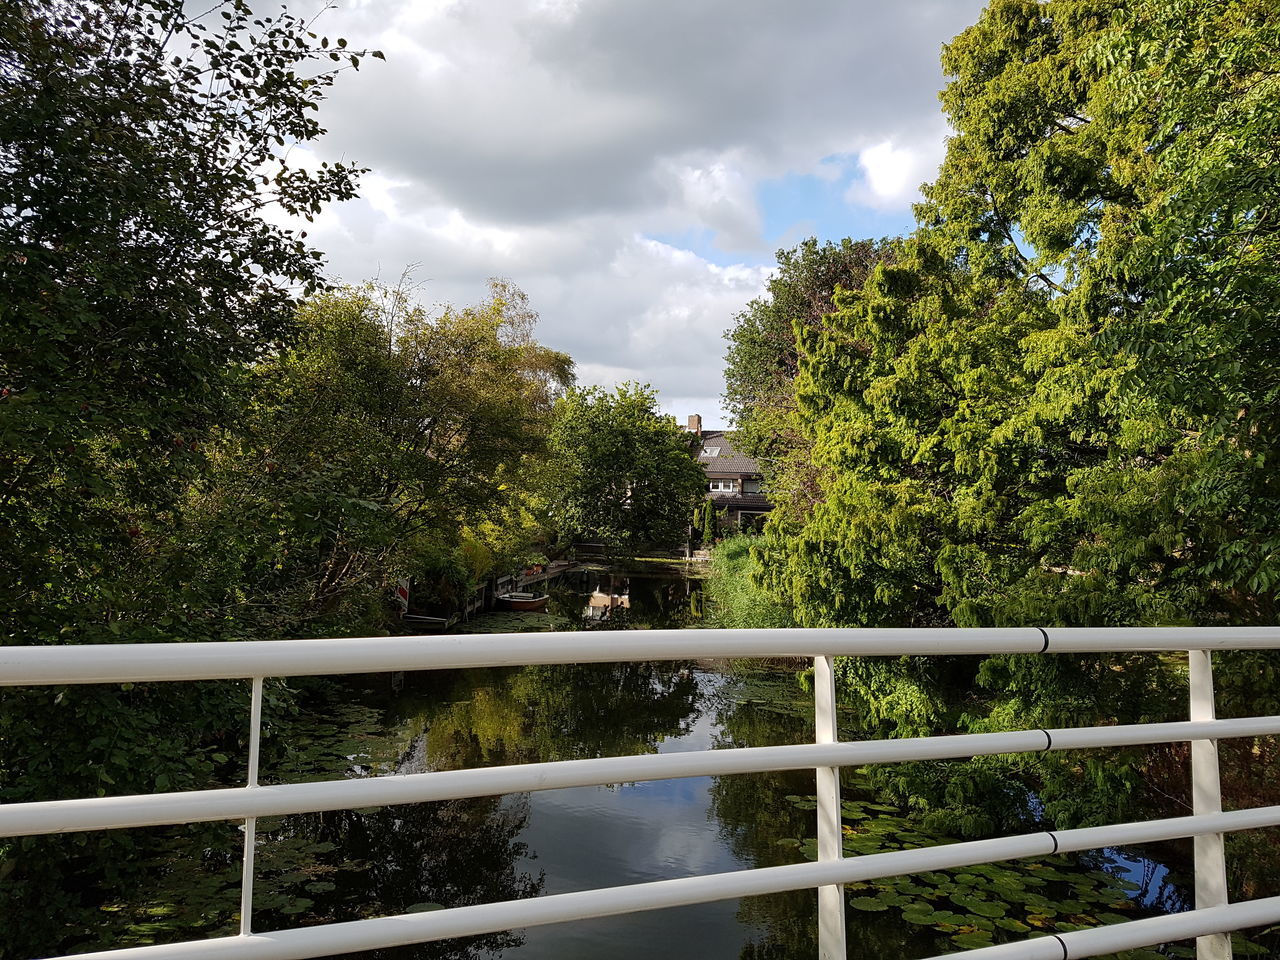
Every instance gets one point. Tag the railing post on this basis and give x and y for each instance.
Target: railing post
(831, 928)
(1206, 797)
(250, 823)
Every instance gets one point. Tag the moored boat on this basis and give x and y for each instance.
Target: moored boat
(523, 601)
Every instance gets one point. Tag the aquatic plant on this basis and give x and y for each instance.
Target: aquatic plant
(981, 905)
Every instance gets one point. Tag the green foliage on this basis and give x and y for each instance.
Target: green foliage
(1017, 435)
(1141, 190)
(1055, 403)
(141, 144)
(385, 443)
(623, 474)
(708, 524)
(735, 598)
(761, 361)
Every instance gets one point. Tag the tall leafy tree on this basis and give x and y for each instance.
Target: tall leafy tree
(371, 445)
(1056, 405)
(762, 359)
(1118, 158)
(140, 145)
(1045, 410)
(623, 474)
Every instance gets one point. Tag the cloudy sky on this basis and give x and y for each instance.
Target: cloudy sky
(632, 165)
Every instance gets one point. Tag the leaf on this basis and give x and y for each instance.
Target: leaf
(1008, 923)
(969, 941)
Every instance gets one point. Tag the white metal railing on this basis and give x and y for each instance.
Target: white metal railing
(1210, 922)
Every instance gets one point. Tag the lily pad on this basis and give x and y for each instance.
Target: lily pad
(978, 906)
(969, 941)
(921, 919)
(1012, 925)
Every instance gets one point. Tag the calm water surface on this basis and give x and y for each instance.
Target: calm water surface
(342, 865)
(605, 836)
(560, 841)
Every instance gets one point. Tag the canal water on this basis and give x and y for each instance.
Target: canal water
(559, 841)
(343, 865)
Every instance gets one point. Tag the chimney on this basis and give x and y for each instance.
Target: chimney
(695, 424)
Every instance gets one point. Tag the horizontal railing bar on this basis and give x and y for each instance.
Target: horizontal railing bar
(1133, 934)
(1136, 734)
(145, 662)
(404, 929)
(238, 803)
(1159, 639)
(1154, 831)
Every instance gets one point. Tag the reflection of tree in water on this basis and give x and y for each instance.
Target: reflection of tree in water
(343, 865)
(760, 824)
(660, 603)
(400, 859)
(560, 712)
(754, 814)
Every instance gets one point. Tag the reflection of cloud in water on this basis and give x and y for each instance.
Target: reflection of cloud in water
(701, 736)
(589, 837)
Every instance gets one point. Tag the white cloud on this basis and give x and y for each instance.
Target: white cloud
(542, 140)
(892, 172)
(720, 195)
(888, 170)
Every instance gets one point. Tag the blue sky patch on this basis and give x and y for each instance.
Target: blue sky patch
(805, 205)
(796, 206)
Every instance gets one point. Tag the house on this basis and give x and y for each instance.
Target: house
(733, 478)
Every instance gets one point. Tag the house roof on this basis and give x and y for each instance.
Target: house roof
(719, 456)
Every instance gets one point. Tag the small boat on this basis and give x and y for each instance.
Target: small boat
(524, 601)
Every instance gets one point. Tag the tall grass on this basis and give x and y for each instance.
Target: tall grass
(734, 597)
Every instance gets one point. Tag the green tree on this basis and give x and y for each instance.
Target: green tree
(384, 443)
(762, 359)
(1116, 158)
(708, 524)
(140, 145)
(622, 474)
(1057, 403)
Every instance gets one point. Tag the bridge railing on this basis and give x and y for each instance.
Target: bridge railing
(1210, 922)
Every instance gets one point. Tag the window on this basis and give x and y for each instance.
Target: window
(722, 486)
(710, 452)
(750, 486)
